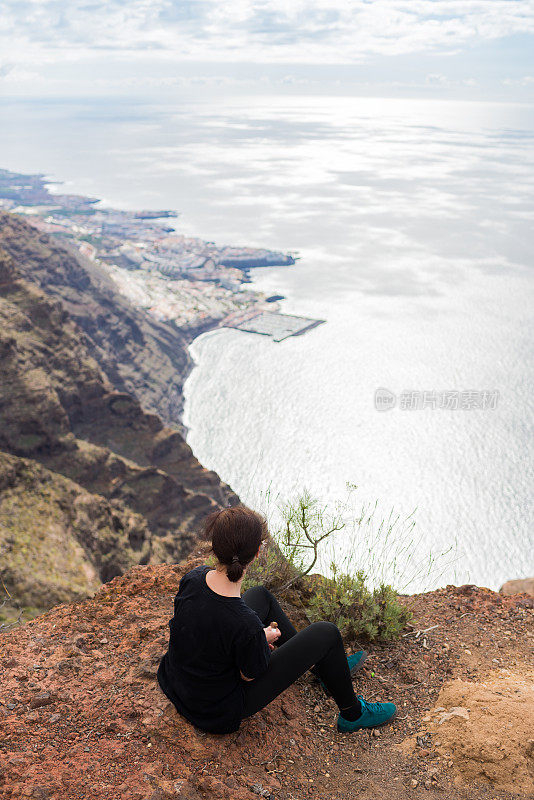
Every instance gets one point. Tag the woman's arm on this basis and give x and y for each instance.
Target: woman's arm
(271, 634)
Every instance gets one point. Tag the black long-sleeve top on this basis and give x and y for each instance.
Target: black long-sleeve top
(212, 640)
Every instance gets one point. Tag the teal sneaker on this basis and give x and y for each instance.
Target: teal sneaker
(355, 661)
(373, 716)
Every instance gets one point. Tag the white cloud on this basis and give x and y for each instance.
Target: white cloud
(526, 80)
(313, 31)
(5, 69)
(437, 79)
(427, 47)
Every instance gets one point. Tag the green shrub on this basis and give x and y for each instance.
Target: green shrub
(359, 612)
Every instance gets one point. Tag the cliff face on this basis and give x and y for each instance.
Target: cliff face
(58, 542)
(83, 718)
(59, 409)
(139, 355)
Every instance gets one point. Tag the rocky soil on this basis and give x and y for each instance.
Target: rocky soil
(82, 715)
(518, 586)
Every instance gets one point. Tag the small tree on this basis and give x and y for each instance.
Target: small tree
(306, 523)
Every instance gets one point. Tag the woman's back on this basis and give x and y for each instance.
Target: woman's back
(213, 639)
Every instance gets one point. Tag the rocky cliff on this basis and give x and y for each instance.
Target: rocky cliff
(138, 354)
(83, 718)
(64, 416)
(58, 542)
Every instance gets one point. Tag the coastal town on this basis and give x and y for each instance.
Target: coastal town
(194, 283)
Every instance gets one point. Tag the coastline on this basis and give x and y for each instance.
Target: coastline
(187, 281)
(189, 284)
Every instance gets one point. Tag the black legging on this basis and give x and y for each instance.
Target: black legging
(319, 644)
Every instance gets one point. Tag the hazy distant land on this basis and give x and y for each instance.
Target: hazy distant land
(191, 282)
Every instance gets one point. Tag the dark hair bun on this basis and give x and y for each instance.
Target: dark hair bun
(236, 534)
(235, 571)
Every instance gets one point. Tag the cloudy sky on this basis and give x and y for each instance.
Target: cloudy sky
(464, 48)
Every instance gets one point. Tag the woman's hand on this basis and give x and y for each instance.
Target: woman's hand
(272, 634)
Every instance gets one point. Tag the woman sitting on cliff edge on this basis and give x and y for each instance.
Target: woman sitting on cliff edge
(226, 662)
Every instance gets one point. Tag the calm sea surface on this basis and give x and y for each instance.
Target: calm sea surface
(413, 221)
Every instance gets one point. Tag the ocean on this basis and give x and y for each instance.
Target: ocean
(413, 223)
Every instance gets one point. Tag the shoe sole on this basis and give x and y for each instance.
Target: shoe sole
(353, 671)
(371, 727)
(359, 665)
